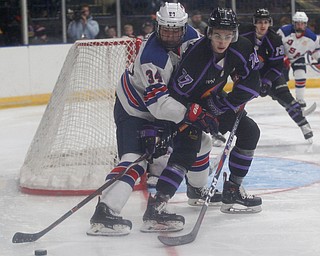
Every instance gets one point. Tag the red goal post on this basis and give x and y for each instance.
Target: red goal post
(74, 146)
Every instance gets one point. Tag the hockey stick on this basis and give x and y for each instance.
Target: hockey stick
(306, 64)
(27, 237)
(191, 236)
(305, 112)
(309, 110)
(313, 64)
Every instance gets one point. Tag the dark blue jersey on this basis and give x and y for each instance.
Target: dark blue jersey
(270, 51)
(201, 72)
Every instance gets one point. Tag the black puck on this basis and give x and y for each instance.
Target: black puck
(40, 252)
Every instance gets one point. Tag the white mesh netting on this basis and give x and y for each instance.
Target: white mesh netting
(75, 146)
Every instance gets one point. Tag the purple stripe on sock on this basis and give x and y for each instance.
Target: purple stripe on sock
(170, 181)
(175, 171)
(238, 155)
(238, 166)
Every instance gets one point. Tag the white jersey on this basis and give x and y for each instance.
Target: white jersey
(143, 90)
(296, 47)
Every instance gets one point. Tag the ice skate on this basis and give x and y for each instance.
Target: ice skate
(236, 200)
(157, 219)
(302, 103)
(105, 222)
(196, 196)
(307, 132)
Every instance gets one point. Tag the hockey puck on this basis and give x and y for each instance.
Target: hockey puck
(40, 252)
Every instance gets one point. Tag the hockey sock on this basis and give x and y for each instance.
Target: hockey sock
(170, 179)
(239, 163)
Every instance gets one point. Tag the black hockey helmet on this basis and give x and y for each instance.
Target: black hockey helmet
(262, 14)
(223, 18)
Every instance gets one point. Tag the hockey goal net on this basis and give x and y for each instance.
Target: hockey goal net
(75, 146)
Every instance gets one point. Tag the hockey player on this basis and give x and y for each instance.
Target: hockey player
(299, 40)
(142, 97)
(201, 77)
(271, 53)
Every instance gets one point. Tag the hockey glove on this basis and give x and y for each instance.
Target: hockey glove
(234, 77)
(200, 118)
(265, 87)
(155, 141)
(216, 104)
(286, 63)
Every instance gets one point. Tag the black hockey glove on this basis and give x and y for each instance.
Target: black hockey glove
(265, 87)
(216, 104)
(200, 118)
(155, 140)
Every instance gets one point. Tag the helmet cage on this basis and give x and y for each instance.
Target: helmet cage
(176, 40)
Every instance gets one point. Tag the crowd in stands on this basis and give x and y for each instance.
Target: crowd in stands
(82, 25)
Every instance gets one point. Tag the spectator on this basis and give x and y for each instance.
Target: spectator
(12, 31)
(40, 36)
(128, 31)
(83, 26)
(2, 38)
(317, 25)
(196, 21)
(285, 20)
(147, 28)
(110, 32)
(312, 24)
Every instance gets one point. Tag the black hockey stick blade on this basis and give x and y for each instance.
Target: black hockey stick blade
(187, 238)
(20, 237)
(25, 237)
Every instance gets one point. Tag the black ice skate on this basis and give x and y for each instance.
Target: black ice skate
(196, 196)
(302, 103)
(157, 219)
(307, 132)
(236, 200)
(105, 222)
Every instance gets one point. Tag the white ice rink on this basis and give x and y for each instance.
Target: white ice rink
(285, 173)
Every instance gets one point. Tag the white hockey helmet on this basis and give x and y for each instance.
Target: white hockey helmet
(172, 15)
(300, 17)
(171, 18)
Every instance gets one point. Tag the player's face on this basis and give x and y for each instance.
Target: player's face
(171, 37)
(220, 40)
(262, 26)
(300, 26)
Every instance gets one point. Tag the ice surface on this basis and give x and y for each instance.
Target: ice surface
(285, 173)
